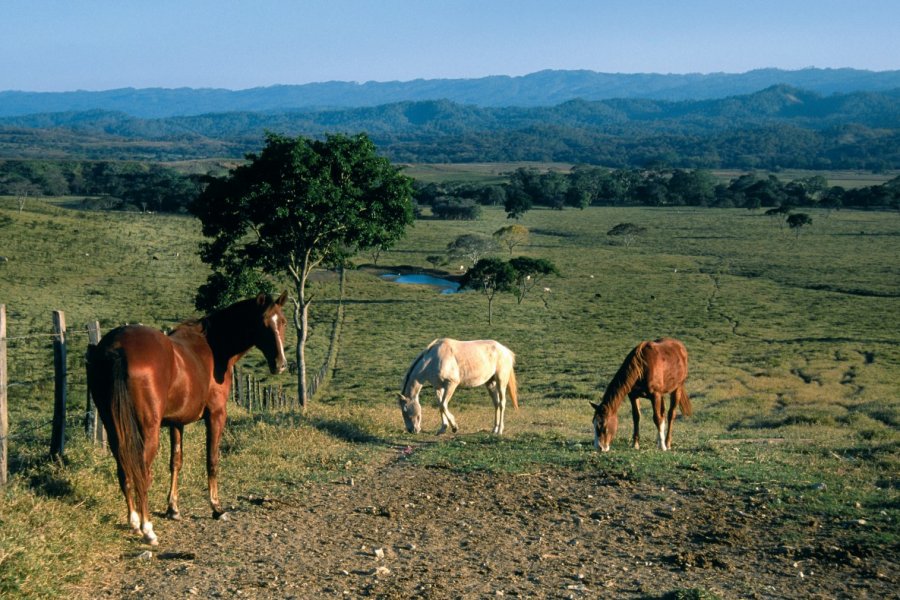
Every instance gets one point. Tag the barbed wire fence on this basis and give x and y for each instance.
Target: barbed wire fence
(69, 374)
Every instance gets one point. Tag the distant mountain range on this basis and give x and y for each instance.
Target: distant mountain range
(541, 89)
(780, 126)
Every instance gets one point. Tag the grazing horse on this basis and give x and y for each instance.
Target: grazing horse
(142, 379)
(446, 364)
(649, 371)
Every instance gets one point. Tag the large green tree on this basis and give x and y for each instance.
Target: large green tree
(297, 205)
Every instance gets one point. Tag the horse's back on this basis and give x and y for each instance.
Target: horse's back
(474, 362)
(666, 363)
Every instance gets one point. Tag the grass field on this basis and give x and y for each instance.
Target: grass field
(793, 340)
(497, 173)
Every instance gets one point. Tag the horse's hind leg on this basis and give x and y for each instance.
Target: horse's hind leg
(134, 519)
(499, 398)
(673, 403)
(659, 420)
(444, 394)
(215, 424)
(175, 461)
(151, 446)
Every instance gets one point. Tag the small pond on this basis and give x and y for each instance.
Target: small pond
(446, 286)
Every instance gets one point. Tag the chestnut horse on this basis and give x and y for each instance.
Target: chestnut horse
(447, 364)
(142, 379)
(649, 371)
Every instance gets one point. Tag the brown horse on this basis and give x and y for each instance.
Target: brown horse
(142, 379)
(649, 371)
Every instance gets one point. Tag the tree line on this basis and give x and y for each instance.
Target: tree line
(114, 185)
(585, 186)
(107, 185)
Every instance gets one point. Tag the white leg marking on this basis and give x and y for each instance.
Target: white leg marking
(149, 536)
(134, 520)
(662, 436)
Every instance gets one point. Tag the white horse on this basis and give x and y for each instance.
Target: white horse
(447, 364)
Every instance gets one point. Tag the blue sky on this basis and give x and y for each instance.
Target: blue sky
(58, 45)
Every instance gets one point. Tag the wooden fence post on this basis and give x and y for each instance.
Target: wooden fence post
(58, 438)
(4, 419)
(93, 428)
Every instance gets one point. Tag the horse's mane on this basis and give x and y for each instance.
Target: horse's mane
(203, 323)
(629, 373)
(413, 364)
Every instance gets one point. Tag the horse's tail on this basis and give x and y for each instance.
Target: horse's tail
(130, 439)
(683, 401)
(512, 389)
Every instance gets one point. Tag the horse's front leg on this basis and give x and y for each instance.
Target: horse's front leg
(444, 395)
(176, 433)
(215, 424)
(499, 401)
(659, 420)
(636, 421)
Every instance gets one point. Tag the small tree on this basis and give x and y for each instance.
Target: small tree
(490, 275)
(529, 273)
(796, 221)
(471, 247)
(628, 232)
(511, 236)
(297, 205)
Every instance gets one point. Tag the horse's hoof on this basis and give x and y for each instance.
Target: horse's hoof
(173, 515)
(221, 516)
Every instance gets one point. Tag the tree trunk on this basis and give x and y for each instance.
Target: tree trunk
(301, 326)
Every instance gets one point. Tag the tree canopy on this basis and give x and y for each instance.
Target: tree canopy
(295, 206)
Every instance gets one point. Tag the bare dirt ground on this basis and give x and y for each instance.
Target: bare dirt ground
(399, 530)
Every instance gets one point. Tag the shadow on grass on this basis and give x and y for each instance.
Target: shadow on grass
(346, 431)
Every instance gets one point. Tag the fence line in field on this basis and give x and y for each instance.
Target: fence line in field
(246, 391)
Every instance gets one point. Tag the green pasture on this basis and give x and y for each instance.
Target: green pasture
(485, 173)
(793, 342)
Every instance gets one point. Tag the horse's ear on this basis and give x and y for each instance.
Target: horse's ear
(596, 406)
(402, 398)
(261, 299)
(282, 298)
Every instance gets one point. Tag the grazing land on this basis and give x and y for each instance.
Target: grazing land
(783, 484)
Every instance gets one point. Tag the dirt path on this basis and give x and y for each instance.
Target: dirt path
(404, 531)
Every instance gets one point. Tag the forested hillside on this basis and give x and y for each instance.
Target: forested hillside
(780, 127)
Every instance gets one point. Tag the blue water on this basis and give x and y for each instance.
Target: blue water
(446, 286)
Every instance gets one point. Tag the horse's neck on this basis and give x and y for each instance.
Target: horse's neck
(413, 388)
(226, 336)
(614, 395)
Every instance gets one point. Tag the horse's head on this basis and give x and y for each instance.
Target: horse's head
(270, 333)
(605, 421)
(412, 413)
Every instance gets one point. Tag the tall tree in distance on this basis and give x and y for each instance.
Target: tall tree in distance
(490, 276)
(297, 205)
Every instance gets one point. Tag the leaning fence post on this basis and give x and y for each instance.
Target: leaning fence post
(92, 426)
(58, 439)
(4, 419)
